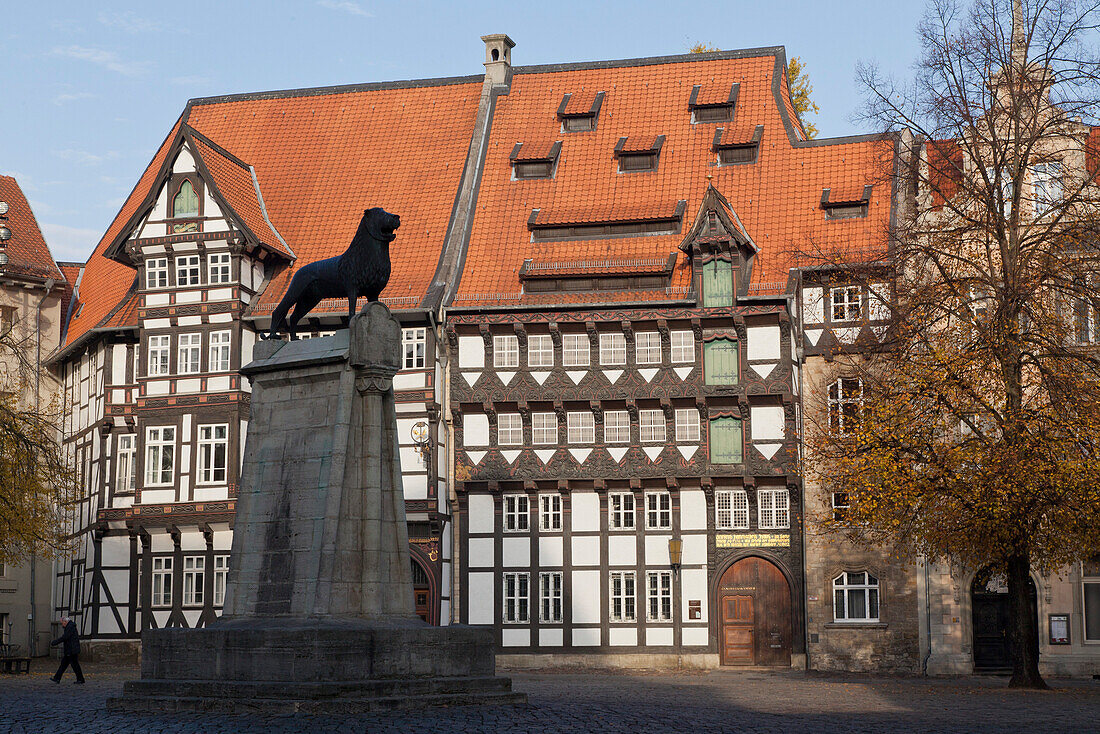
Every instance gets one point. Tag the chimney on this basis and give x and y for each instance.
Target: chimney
(498, 58)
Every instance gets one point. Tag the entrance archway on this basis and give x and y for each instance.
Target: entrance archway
(991, 623)
(754, 614)
(422, 590)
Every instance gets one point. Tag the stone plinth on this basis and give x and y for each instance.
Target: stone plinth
(319, 611)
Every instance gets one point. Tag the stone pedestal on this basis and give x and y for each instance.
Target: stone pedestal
(319, 609)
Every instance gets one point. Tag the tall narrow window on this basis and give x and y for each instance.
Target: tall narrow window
(687, 425)
(540, 350)
(855, 597)
(414, 343)
(218, 268)
(550, 597)
(158, 355)
(651, 426)
(156, 272)
(1046, 179)
(186, 202)
(549, 512)
(221, 575)
(659, 596)
(505, 351)
(658, 511)
(621, 506)
(845, 404)
(162, 582)
(213, 449)
(190, 351)
(647, 347)
(126, 464)
(188, 270)
(160, 455)
(194, 579)
(576, 350)
(219, 351)
(616, 426)
(726, 445)
(774, 509)
(717, 283)
(544, 428)
(517, 598)
(841, 504)
(517, 513)
(683, 346)
(612, 348)
(623, 596)
(1090, 589)
(509, 429)
(580, 427)
(721, 361)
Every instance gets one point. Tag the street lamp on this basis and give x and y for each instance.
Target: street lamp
(675, 553)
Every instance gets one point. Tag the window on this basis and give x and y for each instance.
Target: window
(125, 463)
(516, 513)
(5, 628)
(575, 350)
(580, 427)
(414, 345)
(721, 361)
(516, 598)
(162, 582)
(658, 511)
(683, 346)
(221, 574)
(726, 445)
(845, 404)
(729, 155)
(717, 283)
(158, 354)
(855, 597)
(659, 596)
(774, 510)
(550, 596)
(219, 351)
(1007, 189)
(217, 268)
(846, 302)
(156, 272)
(612, 349)
(186, 201)
(647, 347)
(187, 270)
(638, 161)
(540, 350)
(623, 597)
(1086, 309)
(544, 428)
(505, 350)
(1090, 587)
(687, 425)
(160, 450)
(622, 510)
(731, 509)
(1046, 178)
(194, 573)
(841, 505)
(509, 429)
(651, 426)
(549, 512)
(213, 448)
(616, 426)
(188, 353)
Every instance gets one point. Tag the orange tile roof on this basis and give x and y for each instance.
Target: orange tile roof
(27, 251)
(945, 170)
(535, 269)
(1092, 153)
(71, 273)
(597, 212)
(712, 94)
(736, 134)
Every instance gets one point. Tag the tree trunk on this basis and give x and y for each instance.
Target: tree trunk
(1025, 625)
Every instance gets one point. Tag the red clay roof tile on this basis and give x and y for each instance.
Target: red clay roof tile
(27, 251)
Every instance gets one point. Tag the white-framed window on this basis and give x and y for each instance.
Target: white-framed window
(621, 506)
(159, 347)
(846, 301)
(731, 509)
(126, 463)
(651, 426)
(576, 350)
(505, 351)
(414, 345)
(580, 427)
(1008, 187)
(219, 351)
(162, 582)
(845, 404)
(623, 596)
(194, 578)
(1046, 179)
(213, 450)
(517, 513)
(544, 428)
(647, 347)
(509, 429)
(659, 596)
(221, 575)
(160, 455)
(550, 597)
(156, 272)
(841, 504)
(189, 354)
(855, 597)
(188, 271)
(218, 268)
(517, 597)
(612, 348)
(687, 425)
(658, 511)
(549, 512)
(616, 426)
(773, 509)
(683, 346)
(540, 350)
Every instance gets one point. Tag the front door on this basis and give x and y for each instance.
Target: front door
(737, 631)
(991, 621)
(754, 600)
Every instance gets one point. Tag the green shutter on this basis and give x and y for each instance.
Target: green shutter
(186, 203)
(725, 441)
(718, 283)
(720, 361)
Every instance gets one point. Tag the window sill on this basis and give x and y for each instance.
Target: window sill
(856, 625)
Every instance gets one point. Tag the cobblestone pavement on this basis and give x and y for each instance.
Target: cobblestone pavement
(611, 702)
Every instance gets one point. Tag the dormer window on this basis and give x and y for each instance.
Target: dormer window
(735, 146)
(548, 226)
(576, 116)
(847, 207)
(185, 205)
(534, 161)
(638, 154)
(705, 108)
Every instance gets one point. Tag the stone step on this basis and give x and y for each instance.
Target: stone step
(377, 688)
(338, 705)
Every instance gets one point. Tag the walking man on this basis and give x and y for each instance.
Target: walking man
(70, 650)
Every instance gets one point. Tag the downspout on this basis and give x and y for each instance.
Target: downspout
(927, 622)
(444, 352)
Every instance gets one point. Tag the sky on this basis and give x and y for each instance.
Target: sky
(91, 89)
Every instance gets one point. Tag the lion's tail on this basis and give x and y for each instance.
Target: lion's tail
(278, 316)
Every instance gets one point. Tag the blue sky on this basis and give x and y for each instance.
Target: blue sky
(90, 89)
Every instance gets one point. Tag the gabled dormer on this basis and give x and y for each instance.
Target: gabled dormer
(720, 250)
(579, 112)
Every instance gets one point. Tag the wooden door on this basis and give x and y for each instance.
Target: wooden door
(755, 603)
(993, 645)
(738, 644)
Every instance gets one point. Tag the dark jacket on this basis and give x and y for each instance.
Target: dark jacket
(69, 639)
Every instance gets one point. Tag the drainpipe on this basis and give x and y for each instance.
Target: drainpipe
(32, 618)
(927, 622)
(444, 351)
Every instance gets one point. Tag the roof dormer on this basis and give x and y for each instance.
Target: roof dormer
(579, 112)
(534, 160)
(737, 145)
(638, 153)
(711, 108)
(847, 205)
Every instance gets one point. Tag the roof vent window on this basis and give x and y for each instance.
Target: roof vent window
(546, 226)
(735, 146)
(848, 207)
(534, 161)
(639, 155)
(575, 116)
(707, 108)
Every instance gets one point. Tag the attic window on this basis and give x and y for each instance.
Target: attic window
(549, 228)
(597, 275)
(735, 147)
(538, 161)
(706, 109)
(577, 119)
(848, 208)
(633, 157)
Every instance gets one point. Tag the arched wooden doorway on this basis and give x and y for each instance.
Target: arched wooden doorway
(991, 622)
(422, 590)
(754, 614)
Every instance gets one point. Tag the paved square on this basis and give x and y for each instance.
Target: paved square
(611, 702)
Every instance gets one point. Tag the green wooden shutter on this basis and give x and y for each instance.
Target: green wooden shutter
(725, 441)
(720, 362)
(718, 283)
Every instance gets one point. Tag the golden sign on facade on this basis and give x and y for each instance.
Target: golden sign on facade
(752, 540)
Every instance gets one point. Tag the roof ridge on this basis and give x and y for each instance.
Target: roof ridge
(743, 53)
(336, 89)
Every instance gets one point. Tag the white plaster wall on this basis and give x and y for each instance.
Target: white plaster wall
(585, 515)
(767, 422)
(116, 551)
(586, 551)
(658, 636)
(693, 510)
(516, 552)
(515, 637)
(471, 352)
(118, 364)
(184, 163)
(480, 594)
(475, 429)
(192, 541)
(813, 306)
(763, 342)
(622, 636)
(694, 588)
(694, 551)
(695, 636)
(551, 551)
(551, 637)
(656, 550)
(160, 542)
(586, 637)
(622, 550)
(482, 553)
(586, 606)
(481, 513)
